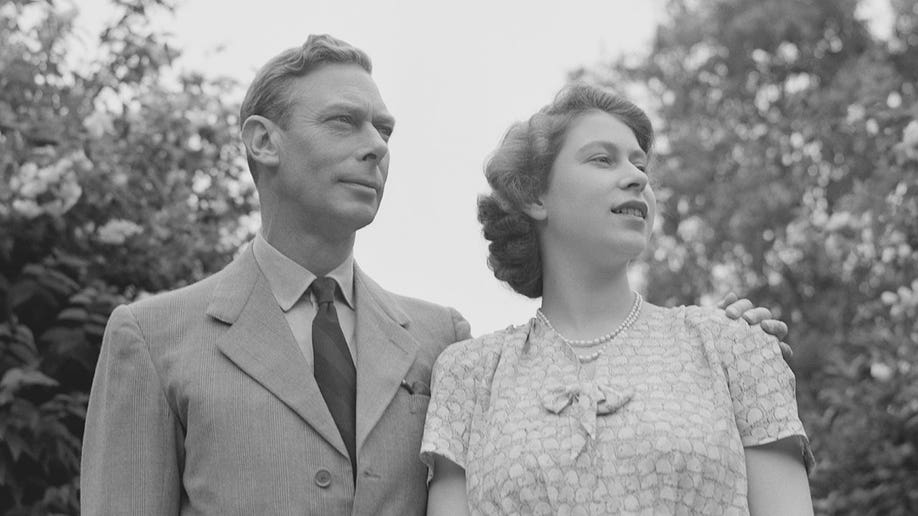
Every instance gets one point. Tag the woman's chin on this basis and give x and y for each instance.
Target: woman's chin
(630, 248)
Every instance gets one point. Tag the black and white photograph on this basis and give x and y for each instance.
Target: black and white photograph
(508, 257)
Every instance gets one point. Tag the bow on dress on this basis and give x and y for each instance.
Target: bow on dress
(583, 401)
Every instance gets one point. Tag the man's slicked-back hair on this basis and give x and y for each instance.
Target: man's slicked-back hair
(269, 94)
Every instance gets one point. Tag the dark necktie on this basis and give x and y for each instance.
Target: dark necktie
(334, 369)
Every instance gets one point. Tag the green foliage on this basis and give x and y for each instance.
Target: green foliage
(788, 155)
(118, 179)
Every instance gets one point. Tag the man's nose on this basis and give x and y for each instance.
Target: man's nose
(376, 146)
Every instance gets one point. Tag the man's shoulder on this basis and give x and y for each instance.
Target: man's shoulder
(197, 293)
(234, 278)
(412, 306)
(433, 316)
(419, 315)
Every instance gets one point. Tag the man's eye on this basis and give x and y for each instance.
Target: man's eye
(385, 131)
(347, 119)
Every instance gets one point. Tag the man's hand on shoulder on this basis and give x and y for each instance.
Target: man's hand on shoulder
(736, 308)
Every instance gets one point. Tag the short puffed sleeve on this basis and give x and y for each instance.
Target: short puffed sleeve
(762, 385)
(452, 405)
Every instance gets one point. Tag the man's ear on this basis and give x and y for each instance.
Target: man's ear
(260, 138)
(536, 210)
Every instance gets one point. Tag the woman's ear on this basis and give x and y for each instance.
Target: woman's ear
(536, 210)
(259, 136)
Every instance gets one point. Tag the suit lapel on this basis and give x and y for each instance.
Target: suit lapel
(385, 352)
(259, 342)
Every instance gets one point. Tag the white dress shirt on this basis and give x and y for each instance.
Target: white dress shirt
(289, 283)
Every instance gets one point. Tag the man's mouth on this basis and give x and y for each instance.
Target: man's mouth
(365, 185)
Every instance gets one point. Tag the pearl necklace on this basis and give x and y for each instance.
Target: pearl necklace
(604, 339)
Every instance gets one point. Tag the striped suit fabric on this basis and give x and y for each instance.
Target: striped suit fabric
(202, 403)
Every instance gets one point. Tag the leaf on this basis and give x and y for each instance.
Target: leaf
(73, 315)
(16, 378)
(100, 319)
(69, 345)
(94, 332)
(58, 282)
(62, 337)
(17, 446)
(80, 298)
(33, 269)
(22, 291)
(22, 352)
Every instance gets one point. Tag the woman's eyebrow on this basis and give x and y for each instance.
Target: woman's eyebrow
(612, 147)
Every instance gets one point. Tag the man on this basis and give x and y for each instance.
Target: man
(259, 390)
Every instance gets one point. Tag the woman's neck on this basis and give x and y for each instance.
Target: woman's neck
(584, 303)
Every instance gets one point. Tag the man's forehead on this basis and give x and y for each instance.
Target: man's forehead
(340, 86)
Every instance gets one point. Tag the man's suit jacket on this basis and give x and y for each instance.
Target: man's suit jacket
(202, 403)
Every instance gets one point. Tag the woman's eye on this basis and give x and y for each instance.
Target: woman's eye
(605, 160)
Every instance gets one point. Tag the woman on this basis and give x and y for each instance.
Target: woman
(603, 403)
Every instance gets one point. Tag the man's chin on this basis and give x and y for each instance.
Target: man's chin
(362, 218)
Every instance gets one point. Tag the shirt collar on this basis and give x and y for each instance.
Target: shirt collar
(289, 280)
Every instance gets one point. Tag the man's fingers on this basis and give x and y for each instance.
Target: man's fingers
(775, 327)
(786, 351)
(736, 308)
(757, 315)
(728, 299)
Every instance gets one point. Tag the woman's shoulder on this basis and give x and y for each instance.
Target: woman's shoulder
(732, 339)
(483, 351)
(709, 320)
(709, 326)
(685, 316)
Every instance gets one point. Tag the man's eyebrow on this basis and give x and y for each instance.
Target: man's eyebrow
(384, 119)
(352, 107)
(340, 106)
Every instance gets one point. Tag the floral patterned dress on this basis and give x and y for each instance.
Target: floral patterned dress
(658, 429)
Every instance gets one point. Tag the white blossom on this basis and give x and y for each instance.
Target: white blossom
(116, 231)
(888, 297)
(880, 371)
(839, 220)
(691, 229)
(98, 124)
(58, 178)
(910, 136)
(27, 207)
(201, 183)
(855, 112)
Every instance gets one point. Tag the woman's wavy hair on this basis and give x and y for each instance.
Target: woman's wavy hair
(518, 173)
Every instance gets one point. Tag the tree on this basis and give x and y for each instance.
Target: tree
(788, 159)
(119, 180)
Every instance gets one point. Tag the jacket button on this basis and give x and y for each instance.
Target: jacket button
(323, 478)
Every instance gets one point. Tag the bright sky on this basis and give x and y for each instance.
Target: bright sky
(455, 75)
